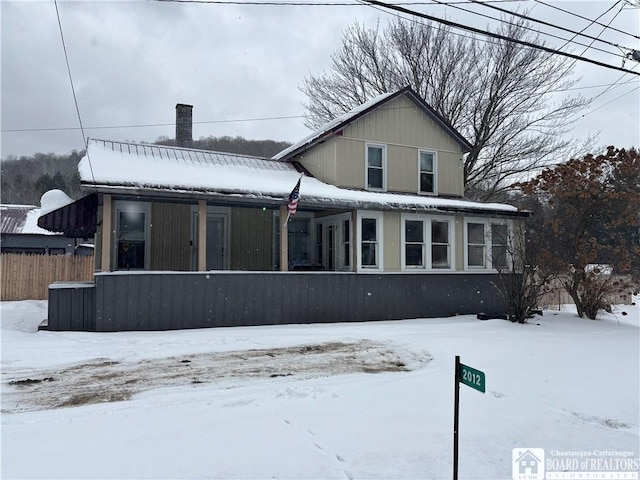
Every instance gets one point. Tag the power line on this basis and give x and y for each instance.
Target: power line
(73, 90)
(585, 18)
(312, 3)
(104, 127)
(543, 22)
(495, 35)
(611, 101)
(536, 31)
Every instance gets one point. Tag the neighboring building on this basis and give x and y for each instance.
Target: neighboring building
(381, 193)
(20, 233)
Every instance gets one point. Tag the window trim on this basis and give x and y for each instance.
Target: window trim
(488, 254)
(435, 172)
(383, 147)
(378, 217)
(428, 243)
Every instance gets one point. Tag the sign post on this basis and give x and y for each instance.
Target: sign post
(474, 379)
(456, 405)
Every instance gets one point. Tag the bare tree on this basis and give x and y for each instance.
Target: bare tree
(501, 96)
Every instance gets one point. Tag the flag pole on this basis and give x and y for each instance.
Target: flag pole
(289, 211)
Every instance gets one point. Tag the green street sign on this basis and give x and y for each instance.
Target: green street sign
(472, 377)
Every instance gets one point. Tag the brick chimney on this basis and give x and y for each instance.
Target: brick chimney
(184, 125)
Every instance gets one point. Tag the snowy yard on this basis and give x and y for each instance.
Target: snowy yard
(337, 401)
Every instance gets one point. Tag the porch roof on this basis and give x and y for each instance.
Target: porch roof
(119, 166)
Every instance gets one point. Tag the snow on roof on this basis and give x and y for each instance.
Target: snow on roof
(162, 168)
(341, 121)
(21, 219)
(332, 124)
(53, 200)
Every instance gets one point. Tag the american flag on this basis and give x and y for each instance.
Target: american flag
(293, 198)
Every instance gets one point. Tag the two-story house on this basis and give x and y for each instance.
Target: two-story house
(188, 238)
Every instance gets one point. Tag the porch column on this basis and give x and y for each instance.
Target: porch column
(284, 240)
(202, 235)
(105, 264)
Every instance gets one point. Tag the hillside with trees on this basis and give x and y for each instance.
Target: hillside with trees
(26, 178)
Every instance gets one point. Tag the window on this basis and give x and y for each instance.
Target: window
(346, 243)
(476, 244)
(369, 231)
(499, 237)
(131, 241)
(414, 243)
(131, 244)
(427, 242)
(427, 172)
(376, 164)
(487, 244)
(319, 244)
(369, 242)
(440, 244)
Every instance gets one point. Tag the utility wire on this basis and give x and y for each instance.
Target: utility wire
(151, 124)
(238, 120)
(543, 22)
(73, 90)
(495, 35)
(572, 40)
(611, 101)
(585, 18)
(312, 3)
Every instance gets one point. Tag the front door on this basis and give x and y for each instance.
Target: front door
(216, 241)
(331, 252)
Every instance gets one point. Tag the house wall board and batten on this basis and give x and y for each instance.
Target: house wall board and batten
(404, 129)
(387, 253)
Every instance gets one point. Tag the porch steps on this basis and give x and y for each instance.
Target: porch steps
(44, 325)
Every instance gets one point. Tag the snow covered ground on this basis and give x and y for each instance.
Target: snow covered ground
(341, 401)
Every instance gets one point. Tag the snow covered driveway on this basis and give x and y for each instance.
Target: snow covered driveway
(106, 380)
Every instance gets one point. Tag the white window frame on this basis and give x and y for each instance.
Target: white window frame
(428, 242)
(379, 217)
(133, 207)
(384, 167)
(488, 245)
(435, 172)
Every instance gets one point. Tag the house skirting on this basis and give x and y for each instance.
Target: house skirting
(178, 300)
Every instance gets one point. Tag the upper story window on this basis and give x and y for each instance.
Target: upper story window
(376, 167)
(427, 171)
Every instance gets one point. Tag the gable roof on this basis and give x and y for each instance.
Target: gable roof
(331, 128)
(121, 167)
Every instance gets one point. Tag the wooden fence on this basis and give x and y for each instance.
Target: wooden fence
(27, 277)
